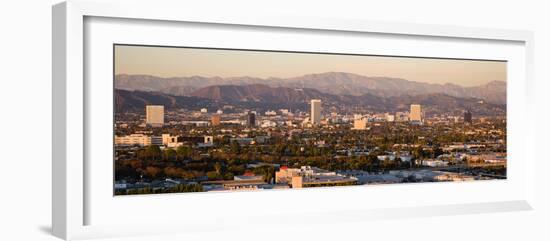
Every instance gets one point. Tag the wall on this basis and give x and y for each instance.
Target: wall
(25, 93)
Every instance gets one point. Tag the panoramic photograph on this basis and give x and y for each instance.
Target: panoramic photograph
(224, 120)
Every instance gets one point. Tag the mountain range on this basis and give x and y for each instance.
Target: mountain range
(263, 97)
(333, 83)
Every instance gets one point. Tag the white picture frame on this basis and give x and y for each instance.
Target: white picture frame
(71, 191)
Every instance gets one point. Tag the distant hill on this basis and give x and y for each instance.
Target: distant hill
(353, 84)
(126, 100)
(179, 90)
(263, 97)
(336, 83)
(257, 93)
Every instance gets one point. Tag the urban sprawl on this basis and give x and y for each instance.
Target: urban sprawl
(160, 151)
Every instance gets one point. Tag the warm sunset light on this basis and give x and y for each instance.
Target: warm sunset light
(212, 120)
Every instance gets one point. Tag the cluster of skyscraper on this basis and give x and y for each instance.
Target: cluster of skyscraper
(415, 115)
(155, 115)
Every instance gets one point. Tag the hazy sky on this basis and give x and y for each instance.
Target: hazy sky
(181, 62)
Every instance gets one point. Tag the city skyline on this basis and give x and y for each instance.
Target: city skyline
(222, 152)
(184, 62)
(200, 134)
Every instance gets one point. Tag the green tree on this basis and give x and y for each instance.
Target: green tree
(184, 151)
(170, 154)
(235, 147)
(218, 168)
(212, 175)
(153, 152)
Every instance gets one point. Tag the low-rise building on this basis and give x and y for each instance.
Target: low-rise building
(434, 163)
(133, 139)
(270, 113)
(268, 124)
(248, 177)
(196, 123)
(307, 176)
(390, 157)
(452, 177)
(170, 141)
(243, 140)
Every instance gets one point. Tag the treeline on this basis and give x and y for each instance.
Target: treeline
(188, 169)
(151, 190)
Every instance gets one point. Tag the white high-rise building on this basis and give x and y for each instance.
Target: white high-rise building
(416, 113)
(154, 115)
(315, 111)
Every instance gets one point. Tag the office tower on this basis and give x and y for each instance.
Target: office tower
(315, 111)
(360, 124)
(154, 115)
(416, 113)
(216, 120)
(468, 117)
(251, 120)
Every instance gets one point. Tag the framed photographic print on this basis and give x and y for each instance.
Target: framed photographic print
(181, 115)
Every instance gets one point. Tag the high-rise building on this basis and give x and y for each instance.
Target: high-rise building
(154, 115)
(216, 120)
(468, 117)
(416, 113)
(360, 124)
(251, 120)
(315, 111)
